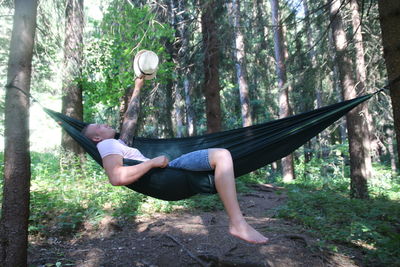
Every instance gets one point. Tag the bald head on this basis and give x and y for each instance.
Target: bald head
(98, 132)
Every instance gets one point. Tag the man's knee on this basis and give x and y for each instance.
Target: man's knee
(219, 154)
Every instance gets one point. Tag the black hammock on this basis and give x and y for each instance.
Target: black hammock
(251, 147)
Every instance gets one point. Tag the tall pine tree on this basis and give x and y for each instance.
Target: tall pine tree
(17, 171)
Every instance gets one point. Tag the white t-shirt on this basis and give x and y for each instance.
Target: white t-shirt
(118, 147)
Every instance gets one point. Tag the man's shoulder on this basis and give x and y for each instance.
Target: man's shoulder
(109, 142)
(110, 147)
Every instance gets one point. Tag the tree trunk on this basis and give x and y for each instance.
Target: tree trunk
(310, 38)
(359, 47)
(322, 139)
(389, 15)
(261, 67)
(167, 123)
(184, 70)
(178, 111)
(175, 55)
(211, 88)
(284, 105)
(17, 171)
(358, 170)
(337, 87)
(260, 26)
(239, 54)
(73, 53)
(190, 115)
(308, 147)
(361, 71)
(391, 147)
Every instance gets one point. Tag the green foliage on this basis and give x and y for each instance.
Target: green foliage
(47, 58)
(6, 9)
(323, 206)
(329, 172)
(123, 32)
(63, 198)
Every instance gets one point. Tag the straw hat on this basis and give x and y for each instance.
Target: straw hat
(145, 64)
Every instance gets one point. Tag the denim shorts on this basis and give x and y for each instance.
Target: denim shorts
(193, 161)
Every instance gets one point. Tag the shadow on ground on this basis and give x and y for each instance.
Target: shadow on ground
(189, 239)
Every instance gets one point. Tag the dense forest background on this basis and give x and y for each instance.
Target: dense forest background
(174, 103)
(223, 65)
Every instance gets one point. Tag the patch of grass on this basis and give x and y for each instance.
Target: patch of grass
(202, 202)
(63, 198)
(326, 210)
(65, 194)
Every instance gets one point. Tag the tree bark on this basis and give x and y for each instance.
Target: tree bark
(358, 170)
(73, 53)
(178, 111)
(284, 105)
(261, 67)
(337, 87)
(239, 55)
(389, 16)
(184, 69)
(308, 147)
(361, 72)
(175, 55)
(260, 26)
(168, 128)
(17, 171)
(211, 88)
(391, 148)
(190, 115)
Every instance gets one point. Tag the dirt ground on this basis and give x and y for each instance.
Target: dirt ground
(190, 239)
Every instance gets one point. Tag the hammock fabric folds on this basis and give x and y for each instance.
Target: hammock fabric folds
(251, 147)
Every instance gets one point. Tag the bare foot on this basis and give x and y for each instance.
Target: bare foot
(247, 233)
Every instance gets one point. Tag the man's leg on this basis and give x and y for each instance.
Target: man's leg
(221, 162)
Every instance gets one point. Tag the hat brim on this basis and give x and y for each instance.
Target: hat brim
(136, 69)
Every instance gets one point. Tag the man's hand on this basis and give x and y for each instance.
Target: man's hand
(160, 162)
(139, 82)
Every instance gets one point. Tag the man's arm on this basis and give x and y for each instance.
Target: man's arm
(124, 175)
(132, 114)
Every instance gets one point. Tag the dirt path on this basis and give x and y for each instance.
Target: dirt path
(190, 239)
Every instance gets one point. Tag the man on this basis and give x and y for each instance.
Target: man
(113, 151)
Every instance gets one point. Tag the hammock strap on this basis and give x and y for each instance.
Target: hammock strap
(394, 81)
(29, 95)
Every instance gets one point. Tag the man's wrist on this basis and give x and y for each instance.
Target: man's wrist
(152, 163)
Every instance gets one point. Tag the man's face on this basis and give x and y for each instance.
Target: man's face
(100, 132)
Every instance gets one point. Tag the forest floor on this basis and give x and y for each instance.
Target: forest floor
(185, 238)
